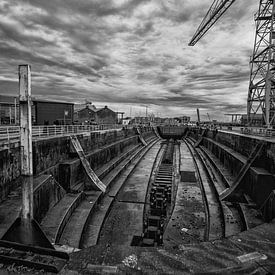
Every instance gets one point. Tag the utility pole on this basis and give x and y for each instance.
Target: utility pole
(26, 141)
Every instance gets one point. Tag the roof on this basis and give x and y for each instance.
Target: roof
(7, 99)
(52, 101)
(106, 107)
(86, 108)
(79, 107)
(10, 100)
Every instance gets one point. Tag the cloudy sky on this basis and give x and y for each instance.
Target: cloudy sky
(129, 54)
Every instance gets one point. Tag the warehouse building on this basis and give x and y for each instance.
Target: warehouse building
(43, 112)
(52, 112)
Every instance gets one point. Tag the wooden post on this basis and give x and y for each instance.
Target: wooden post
(26, 140)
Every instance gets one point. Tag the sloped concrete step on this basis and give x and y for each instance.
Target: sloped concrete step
(54, 217)
(108, 167)
(105, 169)
(74, 228)
(111, 177)
(91, 235)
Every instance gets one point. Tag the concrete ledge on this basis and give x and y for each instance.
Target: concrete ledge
(258, 182)
(67, 216)
(71, 171)
(47, 192)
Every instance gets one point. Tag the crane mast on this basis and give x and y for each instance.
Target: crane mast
(261, 92)
(217, 9)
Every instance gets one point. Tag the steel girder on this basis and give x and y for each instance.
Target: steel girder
(217, 9)
(261, 93)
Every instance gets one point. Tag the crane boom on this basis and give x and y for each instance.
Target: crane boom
(217, 9)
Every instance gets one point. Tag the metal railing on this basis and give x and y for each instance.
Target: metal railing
(262, 132)
(11, 133)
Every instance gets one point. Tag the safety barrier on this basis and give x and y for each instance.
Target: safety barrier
(11, 133)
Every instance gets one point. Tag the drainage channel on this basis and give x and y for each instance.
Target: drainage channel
(160, 193)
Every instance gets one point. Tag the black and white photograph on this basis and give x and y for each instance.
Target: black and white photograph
(137, 137)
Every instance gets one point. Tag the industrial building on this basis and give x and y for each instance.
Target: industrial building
(8, 110)
(44, 112)
(52, 112)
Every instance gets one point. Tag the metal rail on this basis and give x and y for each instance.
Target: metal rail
(251, 131)
(261, 132)
(11, 133)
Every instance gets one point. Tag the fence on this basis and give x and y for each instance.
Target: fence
(11, 133)
(262, 132)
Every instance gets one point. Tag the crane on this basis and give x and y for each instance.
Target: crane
(217, 9)
(261, 92)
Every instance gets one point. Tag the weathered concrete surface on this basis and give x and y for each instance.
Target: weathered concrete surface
(187, 223)
(233, 150)
(124, 221)
(51, 152)
(126, 216)
(136, 187)
(48, 153)
(54, 217)
(218, 257)
(9, 170)
(71, 171)
(46, 193)
(95, 224)
(244, 145)
(172, 131)
(258, 182)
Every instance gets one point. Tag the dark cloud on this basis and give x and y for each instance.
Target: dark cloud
(127, 52)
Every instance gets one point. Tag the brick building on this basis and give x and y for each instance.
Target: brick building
(91, 115)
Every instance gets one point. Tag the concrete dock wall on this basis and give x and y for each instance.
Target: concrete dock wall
(49, 153)
(9, 170)
(47, 192)
(233, 150)
(71, 171)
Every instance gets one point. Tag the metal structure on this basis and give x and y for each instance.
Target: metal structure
(261, 95)
(217, 9)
